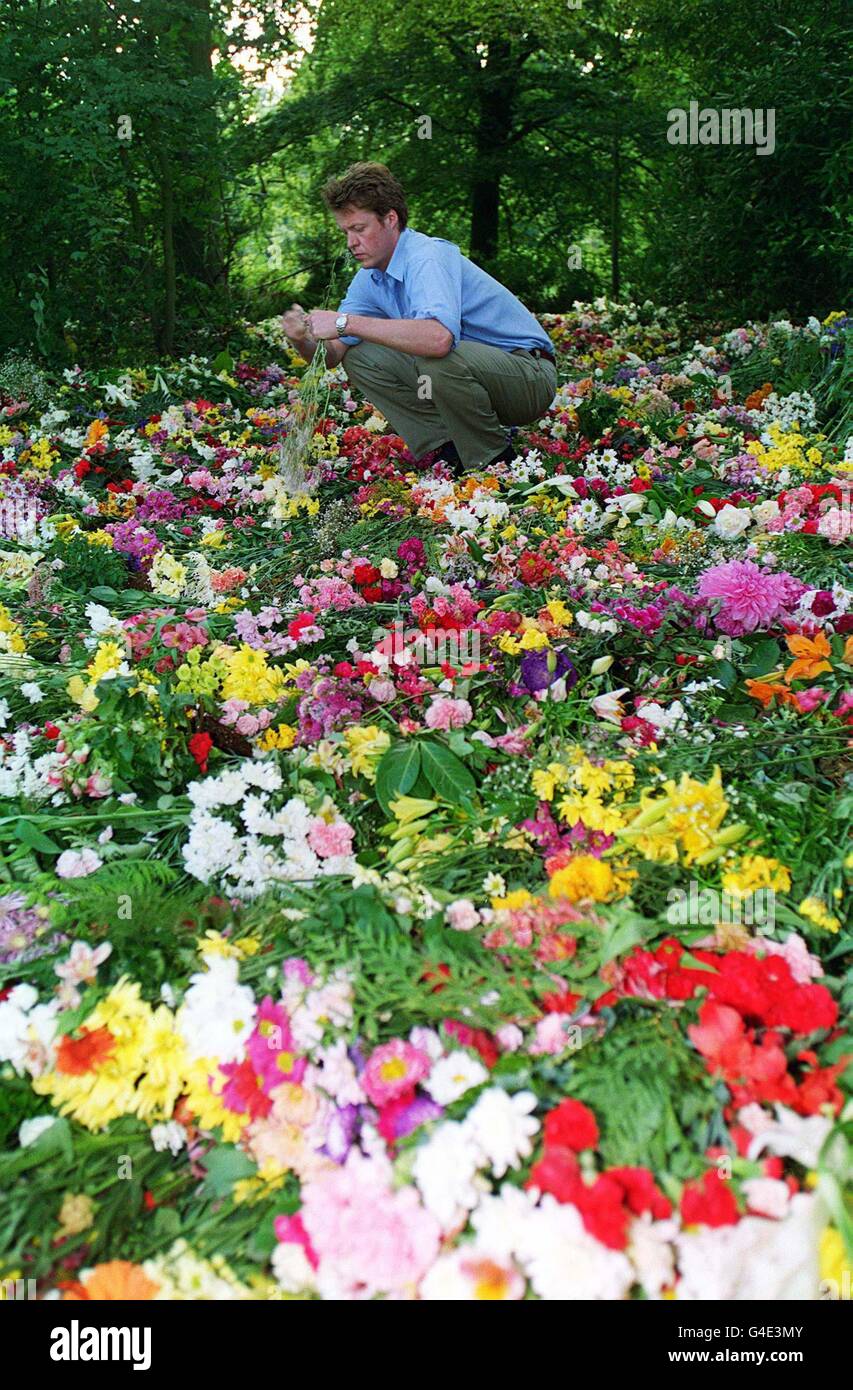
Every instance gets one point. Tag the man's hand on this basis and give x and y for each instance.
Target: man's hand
(295, 323)
(321, 323)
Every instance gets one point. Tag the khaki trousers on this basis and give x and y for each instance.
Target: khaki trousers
(467, 396)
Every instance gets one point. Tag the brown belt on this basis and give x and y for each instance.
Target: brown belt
(539, 352)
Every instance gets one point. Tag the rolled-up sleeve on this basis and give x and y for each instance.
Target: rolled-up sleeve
(434, 288)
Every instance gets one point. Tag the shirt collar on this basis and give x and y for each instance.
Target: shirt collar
(397, 263)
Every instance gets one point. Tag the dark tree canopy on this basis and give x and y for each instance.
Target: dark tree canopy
(152, 192)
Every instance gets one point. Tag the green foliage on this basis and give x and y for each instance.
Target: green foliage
(650, 1092)
(85, 565)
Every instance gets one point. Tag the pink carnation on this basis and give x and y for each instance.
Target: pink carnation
(369, 1239)
(462, 915)
(329, 840)
(750, 597)
(392, 1069)
(445, 713)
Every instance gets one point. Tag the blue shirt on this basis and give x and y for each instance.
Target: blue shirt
(429, 278)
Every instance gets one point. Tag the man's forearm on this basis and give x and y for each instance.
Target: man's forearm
(306, 347)
(421, 337)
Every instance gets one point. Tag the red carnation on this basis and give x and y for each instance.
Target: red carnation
(297, 626)
(709, 1201)
(571, 1125)
(641, 1192)
(200, 746)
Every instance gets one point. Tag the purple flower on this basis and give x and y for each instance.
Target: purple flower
(540, 669)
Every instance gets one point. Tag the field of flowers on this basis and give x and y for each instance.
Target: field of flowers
(423, 887)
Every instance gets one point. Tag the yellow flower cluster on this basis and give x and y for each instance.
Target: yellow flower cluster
(687, 817)
(787, 450)
(815, 910)
(531, 639)
(325, 446)
(206, 1103)
(754, 871)
(11, 633)
(213, 943)
(16, 566)
(249, 676)
(282, 737)
(365, 746)
(167, 575)
(587, 879)
(144, 1073)
(109, 660)
(39, 455)
(590, 793)
(286, 507)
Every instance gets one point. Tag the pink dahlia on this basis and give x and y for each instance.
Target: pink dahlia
(392, 1069)
(750, 598)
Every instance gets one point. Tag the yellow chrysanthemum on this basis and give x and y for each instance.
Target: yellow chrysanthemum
(584, 878)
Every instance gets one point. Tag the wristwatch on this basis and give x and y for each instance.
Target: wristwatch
(341, 323)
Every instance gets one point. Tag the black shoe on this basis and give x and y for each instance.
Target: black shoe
(506, 456)
(449, 453)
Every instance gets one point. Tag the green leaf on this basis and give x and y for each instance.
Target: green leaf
(223, 363)
(33, 837)
(763, 659)
(447, 775)
(397, 773)
(226, 1165)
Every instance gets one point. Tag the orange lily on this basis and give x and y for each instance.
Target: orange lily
(765, 691)
(810, 656)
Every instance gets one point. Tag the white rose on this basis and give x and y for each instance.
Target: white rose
(731, 522)
(766, 511)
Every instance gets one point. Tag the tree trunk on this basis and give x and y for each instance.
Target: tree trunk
(137, 221)
(197, 243)
(166, 333)
(496, 88)
(615, 218)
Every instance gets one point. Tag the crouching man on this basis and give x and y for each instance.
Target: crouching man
(446, 353)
